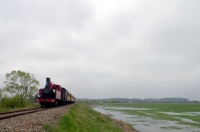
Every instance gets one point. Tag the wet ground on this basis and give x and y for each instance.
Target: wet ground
(147, 124)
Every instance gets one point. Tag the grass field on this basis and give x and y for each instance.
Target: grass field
(162, 111)
(18, 108)
(81, 118)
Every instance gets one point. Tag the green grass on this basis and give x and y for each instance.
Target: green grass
(157, 116)
(18, 108)
(167, 107)
(156, 108)
(191, 124)
(81, 118)
(171, 127)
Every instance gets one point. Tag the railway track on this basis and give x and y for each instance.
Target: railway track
(5, 115)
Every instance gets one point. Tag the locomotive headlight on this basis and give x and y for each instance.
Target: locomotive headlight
(54, 90)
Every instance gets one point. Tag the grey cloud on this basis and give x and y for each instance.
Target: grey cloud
(148, 50)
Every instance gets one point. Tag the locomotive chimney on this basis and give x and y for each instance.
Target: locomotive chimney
(48, 83)
(48, 80)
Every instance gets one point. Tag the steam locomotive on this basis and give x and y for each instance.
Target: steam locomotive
(53, 95)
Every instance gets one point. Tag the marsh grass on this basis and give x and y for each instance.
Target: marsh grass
(171, 127)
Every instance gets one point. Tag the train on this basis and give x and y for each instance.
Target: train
(54, 95)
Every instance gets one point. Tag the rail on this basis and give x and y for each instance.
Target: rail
(5, 115)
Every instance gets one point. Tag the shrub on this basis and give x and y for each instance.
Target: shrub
(11, 102)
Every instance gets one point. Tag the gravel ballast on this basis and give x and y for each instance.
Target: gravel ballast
(34, 122)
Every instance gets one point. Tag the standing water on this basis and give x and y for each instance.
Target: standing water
(145, 124)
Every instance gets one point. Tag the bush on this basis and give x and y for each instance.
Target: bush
(11, 102)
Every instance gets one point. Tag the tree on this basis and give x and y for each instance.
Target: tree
(1, 93)
(21, 83)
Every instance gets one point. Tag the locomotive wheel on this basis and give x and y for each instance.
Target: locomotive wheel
(56, 103)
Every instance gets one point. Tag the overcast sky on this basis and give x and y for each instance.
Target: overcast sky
(105, 48)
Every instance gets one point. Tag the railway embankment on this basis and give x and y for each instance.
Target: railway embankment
(82, 118)
(74, 117)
